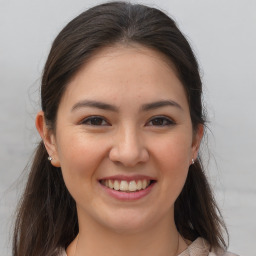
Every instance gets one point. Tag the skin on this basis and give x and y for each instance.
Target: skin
(157, 142)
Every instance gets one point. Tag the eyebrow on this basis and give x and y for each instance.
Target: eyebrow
(94, 104)
(106, 106)
(159, 104)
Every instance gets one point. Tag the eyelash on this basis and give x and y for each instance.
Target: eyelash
(164, 121)
(89, 120)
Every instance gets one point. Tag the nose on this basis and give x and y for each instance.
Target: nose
(128, 148)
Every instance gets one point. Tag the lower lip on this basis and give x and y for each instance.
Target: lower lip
(128, 196)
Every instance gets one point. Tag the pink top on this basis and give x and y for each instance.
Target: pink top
(199, 247)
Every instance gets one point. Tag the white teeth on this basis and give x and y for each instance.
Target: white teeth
(110, 184)
(124, 185)
(144, 184)
(139, 185)
(116, 185)
(132, 186)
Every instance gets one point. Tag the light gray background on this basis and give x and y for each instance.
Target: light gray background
(223, 35)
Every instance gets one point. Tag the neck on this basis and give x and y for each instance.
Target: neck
(162, 239)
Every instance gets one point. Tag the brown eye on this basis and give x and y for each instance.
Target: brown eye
(160, 121)
(95, 121)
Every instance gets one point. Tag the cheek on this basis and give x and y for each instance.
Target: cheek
(79, 158)
(173, 159)
(174, 151)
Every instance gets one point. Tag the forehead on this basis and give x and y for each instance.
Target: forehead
(118, 72)
(129, 52)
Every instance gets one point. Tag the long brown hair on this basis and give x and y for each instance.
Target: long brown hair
(46, 217)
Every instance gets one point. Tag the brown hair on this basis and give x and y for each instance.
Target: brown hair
(47, 217)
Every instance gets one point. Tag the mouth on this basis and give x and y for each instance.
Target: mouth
(130, 186)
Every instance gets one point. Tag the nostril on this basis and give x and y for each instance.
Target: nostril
(128, 156)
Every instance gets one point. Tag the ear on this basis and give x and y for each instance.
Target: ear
(198, 135)
(48, 138)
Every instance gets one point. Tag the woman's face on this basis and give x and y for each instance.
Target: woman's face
(124, 139)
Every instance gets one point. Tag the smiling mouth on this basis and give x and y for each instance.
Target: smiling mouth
(127, 186)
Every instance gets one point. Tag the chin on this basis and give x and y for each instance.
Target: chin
(127, 228)
(129, 222)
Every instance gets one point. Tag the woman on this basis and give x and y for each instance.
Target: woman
(117, 171)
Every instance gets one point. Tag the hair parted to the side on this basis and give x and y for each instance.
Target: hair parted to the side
(46, 217)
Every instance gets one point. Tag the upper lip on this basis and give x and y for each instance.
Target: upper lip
(128, 178)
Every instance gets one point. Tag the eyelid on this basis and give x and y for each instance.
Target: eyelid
(90, 118)
(165, 118)
(85, 121)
